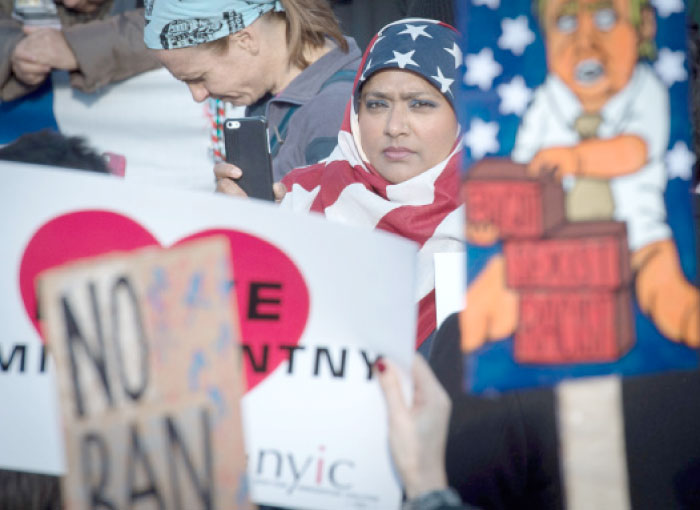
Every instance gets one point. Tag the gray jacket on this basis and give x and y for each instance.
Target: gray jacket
(317, 98)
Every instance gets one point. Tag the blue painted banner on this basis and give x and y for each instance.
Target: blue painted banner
(581, 247)
(25, 115)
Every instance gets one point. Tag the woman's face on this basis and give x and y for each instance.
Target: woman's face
(234, 75)
(406, 125)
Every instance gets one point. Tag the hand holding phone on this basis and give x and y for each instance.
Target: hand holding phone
(247, 147)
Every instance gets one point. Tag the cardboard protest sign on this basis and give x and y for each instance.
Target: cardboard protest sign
(580, 237)
(312, 322)
(149, 375)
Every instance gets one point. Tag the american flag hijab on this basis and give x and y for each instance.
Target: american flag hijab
(346, 188)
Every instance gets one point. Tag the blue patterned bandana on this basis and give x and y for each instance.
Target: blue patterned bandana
(424, 46)
(183, 23)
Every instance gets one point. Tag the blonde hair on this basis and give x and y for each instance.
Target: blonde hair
(647, 49)
(308, 23)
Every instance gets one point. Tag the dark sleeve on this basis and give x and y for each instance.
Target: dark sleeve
(501, 452)
(443, 499)
(320, 148)
(543, 488)
(109, 50)
(446, 356)
(662, 439)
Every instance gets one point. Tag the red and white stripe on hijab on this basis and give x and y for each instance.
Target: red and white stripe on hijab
(346, 188)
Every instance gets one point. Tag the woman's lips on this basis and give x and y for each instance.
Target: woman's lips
(397, 153)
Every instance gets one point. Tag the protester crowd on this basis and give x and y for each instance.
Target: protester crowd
(98, 42)
(361, 140)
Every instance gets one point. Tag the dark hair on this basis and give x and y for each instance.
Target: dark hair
(308, 23)
(29, 491)
(47, 147)
(442, 10)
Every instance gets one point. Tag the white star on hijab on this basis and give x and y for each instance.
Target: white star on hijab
(456, 52)
(445, 83)
(403, 59)
(415, 31)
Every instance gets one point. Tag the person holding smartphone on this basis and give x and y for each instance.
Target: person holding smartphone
(288, 58)
(396, 163)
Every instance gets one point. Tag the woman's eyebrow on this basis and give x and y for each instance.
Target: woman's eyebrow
(376, 94)
(417, 94)
(405, 95)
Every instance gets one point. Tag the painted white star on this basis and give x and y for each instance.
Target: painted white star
(415, 31)
(680, 161)
(492, 4)
(445, 83)
(481, 69)
(481, 138)
(667, 7)
(403, 59)
(456, 53)
(669, 66)
(515, 35)
(514, 96)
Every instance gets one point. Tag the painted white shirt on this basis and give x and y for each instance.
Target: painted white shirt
(642, 109)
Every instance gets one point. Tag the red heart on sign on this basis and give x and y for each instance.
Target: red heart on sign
(272, 297)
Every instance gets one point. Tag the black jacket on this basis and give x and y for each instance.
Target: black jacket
(503, 452)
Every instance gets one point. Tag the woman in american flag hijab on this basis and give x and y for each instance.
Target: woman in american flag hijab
(396, 165)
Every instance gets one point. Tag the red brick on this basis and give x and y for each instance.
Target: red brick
(574, 327)
(501, 192)
(585, 255)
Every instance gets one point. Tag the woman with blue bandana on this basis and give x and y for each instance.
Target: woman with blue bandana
(242, 51)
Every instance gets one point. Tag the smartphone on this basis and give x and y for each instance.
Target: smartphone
(247, 147)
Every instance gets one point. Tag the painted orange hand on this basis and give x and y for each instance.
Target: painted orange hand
(561, 161)
(482, 233)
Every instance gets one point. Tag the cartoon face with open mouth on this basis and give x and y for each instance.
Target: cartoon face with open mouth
(588, 72)
(592, 46)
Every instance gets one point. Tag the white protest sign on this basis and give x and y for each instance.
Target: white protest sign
(317, 303)
(149, 119)
(450, 284)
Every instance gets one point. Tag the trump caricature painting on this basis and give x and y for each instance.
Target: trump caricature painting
(581, 254)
